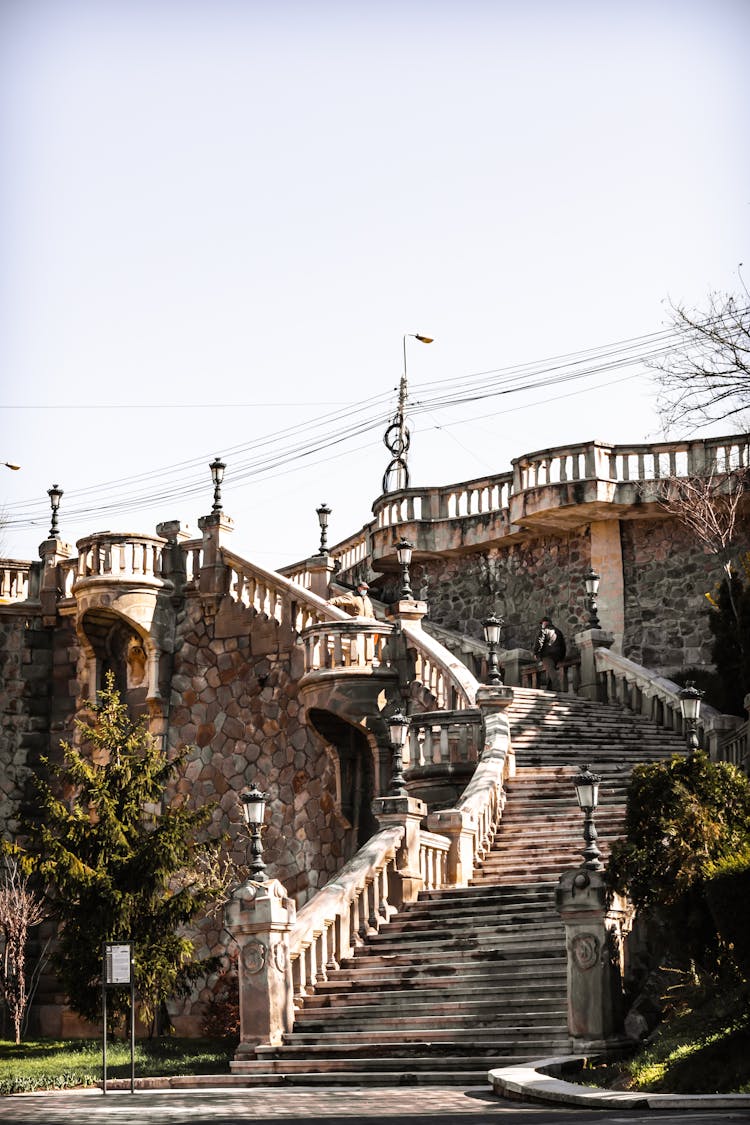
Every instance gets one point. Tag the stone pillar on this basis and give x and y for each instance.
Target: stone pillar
(51, 552)
(513, 660)
(260, 916)
(408, 609)
(409, 812)
(595, 930)
(493, 700)
(606, 559)
(588, 642)
(216, 529)
(320, 568)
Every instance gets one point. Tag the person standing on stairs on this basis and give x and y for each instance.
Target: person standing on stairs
(357, 604)
(549, 649)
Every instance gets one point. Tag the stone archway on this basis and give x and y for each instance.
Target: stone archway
(114, 644)
(355, 773)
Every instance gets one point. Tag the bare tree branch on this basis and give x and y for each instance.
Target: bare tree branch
(20, 909)
(706, 377)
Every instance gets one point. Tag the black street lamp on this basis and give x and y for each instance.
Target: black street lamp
(591, 578)
(403, 554)
(587, 793)
(398, 732)
(323, 513)
(55, 496)
(690, 706)
(254, 811)
(492, 628)
(217, 468)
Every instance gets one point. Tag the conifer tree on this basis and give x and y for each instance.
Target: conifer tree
(122, 865)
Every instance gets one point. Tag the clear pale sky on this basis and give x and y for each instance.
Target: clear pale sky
(218, 219)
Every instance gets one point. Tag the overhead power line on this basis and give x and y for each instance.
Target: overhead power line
(303, 443)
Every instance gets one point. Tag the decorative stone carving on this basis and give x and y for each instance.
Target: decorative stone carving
(585, 951)
(254, 956)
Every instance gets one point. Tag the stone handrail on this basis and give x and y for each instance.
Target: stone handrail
(121, 555)
(447, 679)
(736, 748)
(433, 859)
(471, 825)
(68, 576)
(622, 681)
(19, 581)
(270, 593)
(442, 739)
(616, 465)
(354, 643)
(352, 905)
(192, 551)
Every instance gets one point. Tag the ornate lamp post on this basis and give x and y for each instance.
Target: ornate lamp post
(492, 628)
(591, 578)
(398, 731)
(323, 512)
(587, 792)
(254, 810)
(55, 496)
(690, 706)
(396, 437)
(217, 468)
(403, 553)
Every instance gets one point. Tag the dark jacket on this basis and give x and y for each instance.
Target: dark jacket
(550, 643)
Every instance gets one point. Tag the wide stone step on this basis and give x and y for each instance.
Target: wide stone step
(442, 1009)
(463, 964)
(329, 995)
(425, 1066)
(545, 974)
(428, 1025)
(503, 1039)
(497, 934)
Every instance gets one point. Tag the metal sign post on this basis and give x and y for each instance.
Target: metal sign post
(117, 972)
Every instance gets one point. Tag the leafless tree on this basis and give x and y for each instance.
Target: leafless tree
(20, 909)
(706, 377)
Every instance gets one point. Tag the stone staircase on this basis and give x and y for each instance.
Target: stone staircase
(467, 979)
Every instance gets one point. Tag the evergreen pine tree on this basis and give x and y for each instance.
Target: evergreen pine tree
(121, 864)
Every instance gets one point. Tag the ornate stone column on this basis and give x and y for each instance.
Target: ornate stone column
(216, 528)
(260, 916)
(595, 931)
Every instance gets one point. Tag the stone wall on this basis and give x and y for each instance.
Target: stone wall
(37, 667)
(521, 582)
(666, 578)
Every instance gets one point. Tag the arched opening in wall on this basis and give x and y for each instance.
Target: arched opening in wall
(355, 774)
(119, 649)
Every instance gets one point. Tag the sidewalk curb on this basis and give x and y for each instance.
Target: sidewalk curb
(538, 1081)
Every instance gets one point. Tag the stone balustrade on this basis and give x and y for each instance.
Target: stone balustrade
(433, 860)
(735, 748)
(443, 739)
(277, 597)
(446, 678)
(608, 471)
(125, 556)
(353, 904)
(192, 551)
(352, 643)
(629, 685)
(19, 581)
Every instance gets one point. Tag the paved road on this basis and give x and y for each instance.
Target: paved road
(420, 1105)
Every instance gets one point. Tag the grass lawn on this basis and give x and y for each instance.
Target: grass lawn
(41, 1064)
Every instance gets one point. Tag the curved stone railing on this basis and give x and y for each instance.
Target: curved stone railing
(623, 682)
(472, 824)
(443, 740)
(270, 593)
(351, 906)
(121, 555)
(354, 643)
(433, 859)
(735, 748)
(498, 498)
(447, 679)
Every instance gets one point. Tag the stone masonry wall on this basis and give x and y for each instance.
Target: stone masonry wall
(35, 705)
(521, 582)
(666, 578)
